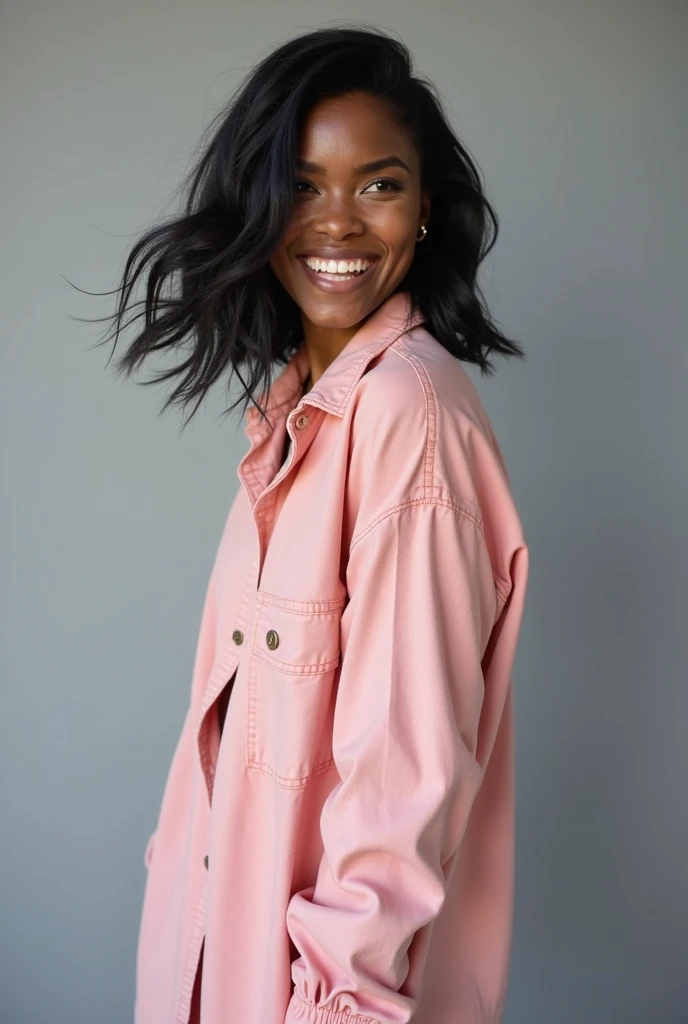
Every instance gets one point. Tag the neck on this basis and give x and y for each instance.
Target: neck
(323, 344)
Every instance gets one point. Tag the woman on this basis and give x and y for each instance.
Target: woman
(335, 841)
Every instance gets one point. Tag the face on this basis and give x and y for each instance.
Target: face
(345, 210)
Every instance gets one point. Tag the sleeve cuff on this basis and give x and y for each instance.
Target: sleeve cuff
(301, 1012)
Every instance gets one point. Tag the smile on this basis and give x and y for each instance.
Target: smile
(337, 282)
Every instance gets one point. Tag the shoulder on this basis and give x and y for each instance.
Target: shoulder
(419, 434)
(415, 377)
(416, 408)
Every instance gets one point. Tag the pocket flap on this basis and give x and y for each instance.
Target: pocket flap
(298, 637)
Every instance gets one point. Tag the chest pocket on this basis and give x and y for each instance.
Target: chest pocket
(293, 671)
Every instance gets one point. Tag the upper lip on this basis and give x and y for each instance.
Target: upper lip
(325, 253)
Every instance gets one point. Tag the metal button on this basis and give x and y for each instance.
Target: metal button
(238, 636)
(205, 862)
(302, 422)
(272, 639)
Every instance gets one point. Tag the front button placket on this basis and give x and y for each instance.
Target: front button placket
(254, 475)
(207, 735)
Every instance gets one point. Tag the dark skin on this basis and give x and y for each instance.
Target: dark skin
(340, 206)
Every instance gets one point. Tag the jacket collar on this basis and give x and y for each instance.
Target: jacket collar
(335, 386)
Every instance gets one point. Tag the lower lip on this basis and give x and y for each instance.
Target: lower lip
(331, 284)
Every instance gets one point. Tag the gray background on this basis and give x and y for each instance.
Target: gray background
(576, 113)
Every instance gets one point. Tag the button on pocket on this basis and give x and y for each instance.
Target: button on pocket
(293, 671)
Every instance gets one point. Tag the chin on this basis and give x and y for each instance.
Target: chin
(338, 312)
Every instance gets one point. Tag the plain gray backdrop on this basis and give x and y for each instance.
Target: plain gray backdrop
(576, 115)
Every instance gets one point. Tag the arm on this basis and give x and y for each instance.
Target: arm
(411, 688)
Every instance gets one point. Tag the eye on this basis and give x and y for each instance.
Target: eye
(395, 185)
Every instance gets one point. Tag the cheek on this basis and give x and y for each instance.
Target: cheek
(397, 228)
(279, 263)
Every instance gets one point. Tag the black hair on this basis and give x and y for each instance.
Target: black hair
(238, 201)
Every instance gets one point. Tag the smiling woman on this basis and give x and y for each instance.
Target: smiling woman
(331, 150)
(335, 838)
(370, 222)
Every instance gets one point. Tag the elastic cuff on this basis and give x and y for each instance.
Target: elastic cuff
(300, 1012)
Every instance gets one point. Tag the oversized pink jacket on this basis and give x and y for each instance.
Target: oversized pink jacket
(344, 848)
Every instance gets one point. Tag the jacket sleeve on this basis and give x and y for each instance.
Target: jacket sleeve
(422, 605)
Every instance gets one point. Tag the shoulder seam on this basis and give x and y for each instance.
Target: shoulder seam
(459, 509)
(430, 411)
(408, 503)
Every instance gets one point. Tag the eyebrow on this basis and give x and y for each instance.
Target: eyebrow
(375, 165)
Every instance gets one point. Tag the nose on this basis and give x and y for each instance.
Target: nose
(338, 217)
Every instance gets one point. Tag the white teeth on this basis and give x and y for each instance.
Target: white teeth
(336, 267)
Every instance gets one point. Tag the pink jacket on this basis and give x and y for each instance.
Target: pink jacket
(345, 853)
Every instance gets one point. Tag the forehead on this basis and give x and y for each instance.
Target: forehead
(345, 125)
